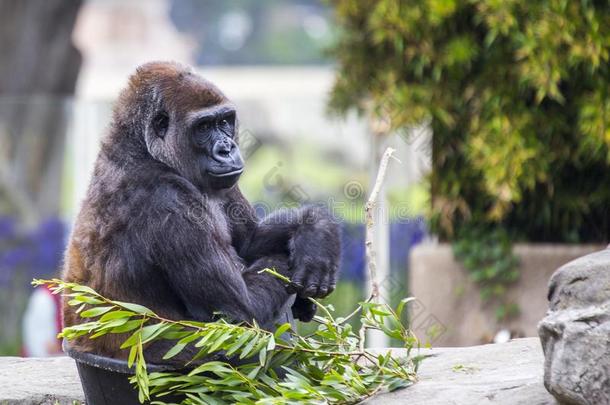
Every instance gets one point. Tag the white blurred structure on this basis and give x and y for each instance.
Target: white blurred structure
(41, 324)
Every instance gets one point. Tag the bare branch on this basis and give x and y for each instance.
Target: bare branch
(368, 212)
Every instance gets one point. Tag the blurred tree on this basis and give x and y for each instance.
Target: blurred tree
(38, 69)
(517, 94)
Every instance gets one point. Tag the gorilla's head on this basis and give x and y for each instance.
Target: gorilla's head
(185, 121)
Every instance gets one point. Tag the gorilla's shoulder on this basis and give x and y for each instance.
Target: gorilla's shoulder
(173, 191)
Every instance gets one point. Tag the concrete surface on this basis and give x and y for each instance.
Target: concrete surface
(508, 373)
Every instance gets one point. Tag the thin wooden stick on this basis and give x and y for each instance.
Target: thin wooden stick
(368, 214)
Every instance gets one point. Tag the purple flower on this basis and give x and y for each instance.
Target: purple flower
(36, 253)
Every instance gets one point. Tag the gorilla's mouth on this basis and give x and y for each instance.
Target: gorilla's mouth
(227, 174)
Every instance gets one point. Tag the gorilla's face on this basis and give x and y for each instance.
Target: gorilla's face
(212, 137)
(193, 129)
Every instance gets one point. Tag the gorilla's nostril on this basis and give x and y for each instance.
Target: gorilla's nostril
(222, 150)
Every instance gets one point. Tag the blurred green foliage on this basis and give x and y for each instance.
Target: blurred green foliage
(486, 252)
(516, 93)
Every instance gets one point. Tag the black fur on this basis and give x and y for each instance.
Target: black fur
(156, 228)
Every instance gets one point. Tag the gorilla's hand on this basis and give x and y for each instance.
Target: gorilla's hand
(303, 309)
(314, 254)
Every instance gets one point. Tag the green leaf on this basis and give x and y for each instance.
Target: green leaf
(401, 305)
(115, 315)
(271, 343)
(127, 326)
(132, 340)
(139, 309)
(246, 351)
(150, 332)
(219, 341)
(281, 329)
(100, 333)
(84, 289)
(238, 344)
(84, 299)
(217, 367)
(262, 356)
(132, 355)
(93, 312)
(174, 351)
(208, 336)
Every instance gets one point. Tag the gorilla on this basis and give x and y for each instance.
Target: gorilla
(165, 225)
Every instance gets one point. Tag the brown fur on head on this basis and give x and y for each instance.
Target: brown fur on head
(164, 84)
(170, 95)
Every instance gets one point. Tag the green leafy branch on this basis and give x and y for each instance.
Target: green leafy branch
(329, 366)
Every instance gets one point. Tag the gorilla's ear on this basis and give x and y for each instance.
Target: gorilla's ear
(160, 123)
(154, 133)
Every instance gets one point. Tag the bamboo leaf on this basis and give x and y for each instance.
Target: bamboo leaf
(93, 312)
(127, 326)
(281, 329)
(132, 340)
(115, 315)
(83, 288)
(262, 356)
(216, 367)
(174, 351)
(238, 344)
(132, 355)
(139, 309)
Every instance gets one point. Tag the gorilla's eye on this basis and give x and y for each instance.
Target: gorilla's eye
(226, 125)
(205, 126)
(161, 123)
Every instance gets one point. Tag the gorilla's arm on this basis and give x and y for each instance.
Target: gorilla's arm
(204, 271)
(308, 235)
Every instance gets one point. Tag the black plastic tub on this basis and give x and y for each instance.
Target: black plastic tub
(105, 380)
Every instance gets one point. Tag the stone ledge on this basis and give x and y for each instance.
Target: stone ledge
(502, 374)
(508, 373)
(33, 381)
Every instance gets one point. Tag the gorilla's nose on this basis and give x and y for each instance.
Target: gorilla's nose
(225, 151)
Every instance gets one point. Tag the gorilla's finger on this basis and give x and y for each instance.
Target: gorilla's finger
(334, 277)
(324, 285)
(331, 287)
(311, 289)
(294, 288)
(298, 281)
(311, 284)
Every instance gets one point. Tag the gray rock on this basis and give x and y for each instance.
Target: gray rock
(507, 373)
(575, 334)
(31, 381)
(502, 374)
